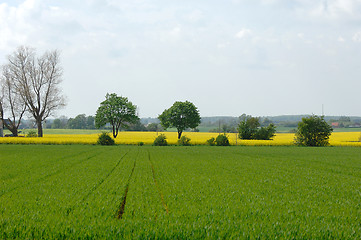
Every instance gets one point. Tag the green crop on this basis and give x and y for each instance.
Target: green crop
(196, 192)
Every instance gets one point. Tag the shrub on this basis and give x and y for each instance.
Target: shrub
(140, 143)
(222, 140)
(211, 141)
(105, 139)
(184, 141)
(313, 131)
(249, 128)
(161, 140)
(265, 133)
(32, 133)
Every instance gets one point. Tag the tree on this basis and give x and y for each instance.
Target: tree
(249, 128)
(1, 114)
(181, 115)
(90, 122)
(60, 123)
(37, 80)
(117, 111)
(313, 131)
(154, 127)
(11, 101)
(79, 122)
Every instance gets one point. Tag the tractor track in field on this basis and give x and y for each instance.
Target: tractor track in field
(101, 181)
(157, 185)
(121, 208)
(49, 175)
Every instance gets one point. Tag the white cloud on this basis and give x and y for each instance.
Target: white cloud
(357, 37)
(340, 39)
(243, 33)
(336, 9)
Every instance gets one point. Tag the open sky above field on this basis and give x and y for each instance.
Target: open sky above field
(260, 57)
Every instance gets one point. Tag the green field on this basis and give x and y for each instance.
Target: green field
(199, 192)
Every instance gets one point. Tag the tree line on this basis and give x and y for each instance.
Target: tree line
(30, 84)
(82, 121)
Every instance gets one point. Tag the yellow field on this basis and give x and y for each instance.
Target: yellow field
(133, 138)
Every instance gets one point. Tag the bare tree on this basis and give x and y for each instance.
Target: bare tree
(12, 102)
(1, 113)
(37, 81)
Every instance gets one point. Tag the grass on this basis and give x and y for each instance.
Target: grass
(197, 192)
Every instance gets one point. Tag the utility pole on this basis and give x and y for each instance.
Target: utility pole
(322, 111)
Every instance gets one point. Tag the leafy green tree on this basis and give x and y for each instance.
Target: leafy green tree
(56, 124)
(117, 111)
(79, 122)
(60, 123)
(154, 127)
(313, 131)
(181, 115)
(90, 122)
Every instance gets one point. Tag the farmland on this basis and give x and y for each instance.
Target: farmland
(197, 138)
(86, 191)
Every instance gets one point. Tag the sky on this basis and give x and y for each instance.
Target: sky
(228, 57)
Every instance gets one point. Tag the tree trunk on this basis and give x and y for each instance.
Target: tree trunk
(13, 130)
(179, 134)
(40, 127)
(1, 128)
(11, 127)
(115, 131)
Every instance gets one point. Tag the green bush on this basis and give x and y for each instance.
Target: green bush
(140, 143)
(313, 131)
(250, 128)
(32, 133)
(184, 141)
(161, 140)
(222, 140)
(211, 141)
(105, 139)
(265, 133)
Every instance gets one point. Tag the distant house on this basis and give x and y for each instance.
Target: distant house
(335, 124)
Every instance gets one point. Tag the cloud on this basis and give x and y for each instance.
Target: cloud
(340, 39)
(347, 10)
(243, 33)
(357, 37)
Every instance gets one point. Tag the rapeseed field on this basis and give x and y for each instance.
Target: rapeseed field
(197, 138)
